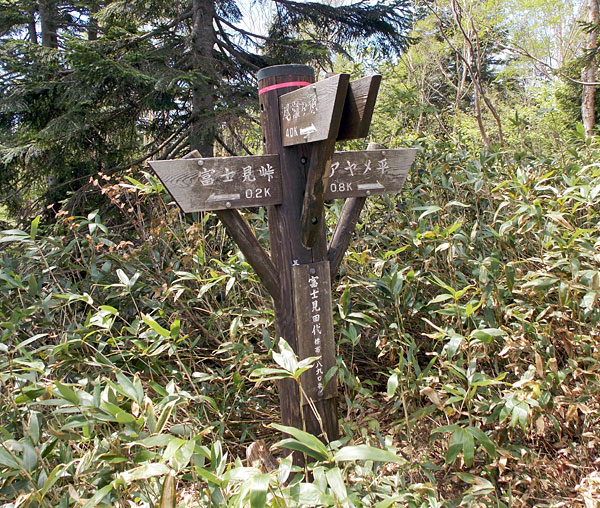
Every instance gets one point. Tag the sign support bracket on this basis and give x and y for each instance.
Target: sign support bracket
(345, 226)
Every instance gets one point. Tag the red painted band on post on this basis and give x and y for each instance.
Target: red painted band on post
(282, 85)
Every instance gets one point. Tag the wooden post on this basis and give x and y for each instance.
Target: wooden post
(287, 249)
(300, 126)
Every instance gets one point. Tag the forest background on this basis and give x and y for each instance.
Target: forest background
(134, 340)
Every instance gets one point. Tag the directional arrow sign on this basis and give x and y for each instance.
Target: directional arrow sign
(220, 183)
(368, 172)
(307, 113)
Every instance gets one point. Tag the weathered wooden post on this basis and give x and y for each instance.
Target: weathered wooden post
(301, 122)
(294, 262)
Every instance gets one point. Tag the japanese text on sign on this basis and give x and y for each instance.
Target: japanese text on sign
(300, 108)
(209, 176)
(222, 182)
(313, 283)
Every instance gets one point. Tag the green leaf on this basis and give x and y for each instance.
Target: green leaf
(149, 320)
(441, 298)
(542, 283)
(487, 335)
(174, 329)
(30, 457)
(445, 429)
(168, 498)
(152, 441)
(123, 277)
(519, 415)
(241, 473)
(183, 455)
(428, 210)
(392, 384)
(93, 501)
(294, 444)
(33, 286)
(258, 490)
(366, 452)
(126, 387)
(67, 393)
(308, 494)
(285, 468)
(35, 426)
(209, 477)
(453, 344)
(6, 459)
(267, 339)
(386, 503)
(468, 446)
(269, 374)
(488, 445)
(317, 448)
(171, 449)
(589, 300)
(145, 471)
(119, 414)
(286, 359)
(336, 482)
(34, 227)
(55, 474)
(164, 416)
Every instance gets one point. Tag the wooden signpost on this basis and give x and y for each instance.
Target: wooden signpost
(301, 122)
(220, 183)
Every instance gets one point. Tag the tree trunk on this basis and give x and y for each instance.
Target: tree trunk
(203, 39)
(468, 60)
(93, 23)
(588, 74)
(31, 25)
(48, 21)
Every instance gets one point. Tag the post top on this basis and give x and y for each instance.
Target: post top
(281, 70)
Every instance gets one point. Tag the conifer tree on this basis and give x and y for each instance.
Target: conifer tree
(89, 87)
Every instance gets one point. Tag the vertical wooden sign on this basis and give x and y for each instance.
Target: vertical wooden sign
(314, 325)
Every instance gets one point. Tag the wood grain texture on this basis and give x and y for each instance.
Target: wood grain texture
(319, 163)
(368, 172)
(287, 250)
(343, 232)
(307, 113)
(314, 325)
(219, 183)
(359, 107)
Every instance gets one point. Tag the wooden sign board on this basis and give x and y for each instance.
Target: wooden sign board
(307, 113)
(221, 183)
(359, 107)
(314, 326)
(368, 172)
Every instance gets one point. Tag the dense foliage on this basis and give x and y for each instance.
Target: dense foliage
(467, 320)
